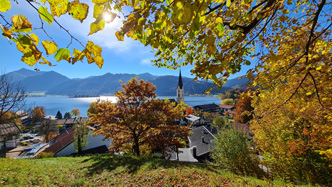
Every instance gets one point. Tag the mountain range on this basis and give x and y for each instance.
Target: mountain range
(53, 83)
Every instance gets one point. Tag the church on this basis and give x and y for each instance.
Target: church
(180, 90)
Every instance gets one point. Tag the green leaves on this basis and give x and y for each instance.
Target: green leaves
(4, 5)
(78, 10)
(26, 44)
(50, 47)
(45, 15)
(62, 54)
(97, 26)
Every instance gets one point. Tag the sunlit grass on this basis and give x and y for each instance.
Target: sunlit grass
(104, 170)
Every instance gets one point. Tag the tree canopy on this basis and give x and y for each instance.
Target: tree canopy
(37, 114)
(138, 119)
(217, 37)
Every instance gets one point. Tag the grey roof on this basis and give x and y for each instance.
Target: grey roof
(202, 147)
(184, 155)
(192, 117)
(207, 106)
(9, 129)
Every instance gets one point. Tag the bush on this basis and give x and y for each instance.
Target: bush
(45, 155)
(227, 101)
(232, 151)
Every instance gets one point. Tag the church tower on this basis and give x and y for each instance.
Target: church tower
(180, 90)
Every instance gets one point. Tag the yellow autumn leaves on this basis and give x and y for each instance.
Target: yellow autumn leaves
(27, 41)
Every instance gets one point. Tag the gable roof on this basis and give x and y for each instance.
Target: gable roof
(61, 141)
(69, 121)
(9, 129)
(207, 106)
(195, 139)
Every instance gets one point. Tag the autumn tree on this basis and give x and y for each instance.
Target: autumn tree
(75, 112)
(293, 127)
(48, 129)
(243, 109)
(37, 114)
(12, 99)
(139, 119)
(9, 129)
(189, 111)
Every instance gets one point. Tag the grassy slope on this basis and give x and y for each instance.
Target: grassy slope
(104, 170)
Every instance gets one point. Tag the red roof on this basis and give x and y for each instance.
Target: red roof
(245, 128)
(225, 106)
(61, 141)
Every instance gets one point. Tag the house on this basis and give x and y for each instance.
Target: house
(31, 151)
(25, 117)
(245, 128)
(50, 117)
(193, 120)
(9, 134)
(226, 108)
(183, 155)
(67, 123)
(62, 145)
(201, 143)
(212, 108)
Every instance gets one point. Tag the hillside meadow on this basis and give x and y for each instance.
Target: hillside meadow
(106, 170)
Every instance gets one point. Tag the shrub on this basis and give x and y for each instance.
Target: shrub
(45, 155)
(232, 151)
(227, 101)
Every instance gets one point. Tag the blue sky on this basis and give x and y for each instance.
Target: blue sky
(126, 56)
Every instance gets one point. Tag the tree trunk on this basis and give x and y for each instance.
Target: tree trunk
(136, 146)
(4, 147)
(79, 147)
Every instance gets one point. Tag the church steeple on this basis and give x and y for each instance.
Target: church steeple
(180, 84)
(180, 90)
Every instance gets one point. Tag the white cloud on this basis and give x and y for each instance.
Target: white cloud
(105, 38)
(146, 62)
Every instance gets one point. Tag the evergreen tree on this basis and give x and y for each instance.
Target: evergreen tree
(58, 115)
(67, 116)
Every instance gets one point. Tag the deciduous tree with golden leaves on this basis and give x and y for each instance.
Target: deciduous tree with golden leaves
(138, 118)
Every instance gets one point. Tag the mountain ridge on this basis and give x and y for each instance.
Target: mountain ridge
(53, 83)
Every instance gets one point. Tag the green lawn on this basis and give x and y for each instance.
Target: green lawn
(104, 170)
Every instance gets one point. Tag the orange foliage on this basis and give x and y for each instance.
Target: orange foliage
(37, 114)
(243, 109)
(189, 111)
(138, 118)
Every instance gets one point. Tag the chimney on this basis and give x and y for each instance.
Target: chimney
(203, 139)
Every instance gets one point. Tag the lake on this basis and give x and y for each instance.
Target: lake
(65, 104)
